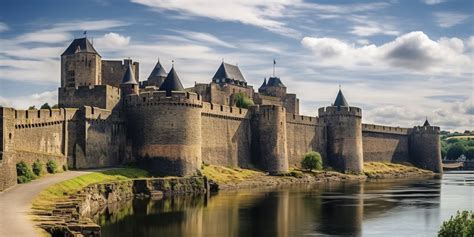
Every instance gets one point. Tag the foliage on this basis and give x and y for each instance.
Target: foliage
(223, 175)
(470, 153)
(32, 107)
(56, 106)
(312, 161)
(52, 166)
(380, 169)
(297, 174)
(37, 167)
(63, 189)
(242, 100)
(455, 151)
(24, 173)
(461, 225)
(45, 106)
(65, 168)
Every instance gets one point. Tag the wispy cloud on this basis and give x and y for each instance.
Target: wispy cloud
(433, 2)
(3, 27)
(449, 19)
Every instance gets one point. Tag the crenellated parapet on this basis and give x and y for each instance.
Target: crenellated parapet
(154, 98)
(340, 111)
(425, 148)
(384, 129)
(225, 111)
(304, 120)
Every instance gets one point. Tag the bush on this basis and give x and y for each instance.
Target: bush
(455, 151)
(51, 166)
(242, 101)
(460, 225)
(470, 153)
(312, 161)
(37, 168)
(45, 106)
(24, 173)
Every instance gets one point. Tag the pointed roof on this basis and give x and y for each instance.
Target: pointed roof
(129, 76)
(275, 81)
(229, 71)
(426, 124)
(264, 84)
(340, 100)
(82, 45)
(172, 82)
(158, 71)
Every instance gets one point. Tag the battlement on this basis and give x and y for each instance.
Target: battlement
(95, 113)
(340, 111)
(103, 96)
(384, 129)
(304, 120)
(159, 97)
(425, 129)
(225, 111)
(35, 118)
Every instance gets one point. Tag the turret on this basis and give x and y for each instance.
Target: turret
(274, 87)
(272, 142)
(80, 65)
(344, 135)
(171, 83)
(229, 74)
(157, 76)
(129, 84)
(425, 148)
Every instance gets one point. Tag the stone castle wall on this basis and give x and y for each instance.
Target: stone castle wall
(113, 71)
(101, 96)
(385, 144)
(81, 69)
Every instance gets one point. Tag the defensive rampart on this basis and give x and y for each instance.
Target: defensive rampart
(385, 143)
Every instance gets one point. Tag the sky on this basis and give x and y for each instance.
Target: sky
(400, 61)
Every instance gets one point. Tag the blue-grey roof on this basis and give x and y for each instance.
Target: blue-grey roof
(264, 84)
(340, 100)
(82, 45)
(158, 71)
(172, 82)
(129, 76)
(275, 81)
(229, 71)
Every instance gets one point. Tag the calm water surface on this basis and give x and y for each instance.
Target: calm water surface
(396, 208)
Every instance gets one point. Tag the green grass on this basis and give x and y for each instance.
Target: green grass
(462, 137)
(59, 191)
(222, 175)
(374, 169)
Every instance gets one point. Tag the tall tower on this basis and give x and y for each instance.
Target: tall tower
(344, 135)
(157, 76)
(425, 148)
(80, 65)
(129, 85)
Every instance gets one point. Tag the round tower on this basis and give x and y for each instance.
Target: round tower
(272, 138)
(344, 135)
(425, 148)
(129, 85)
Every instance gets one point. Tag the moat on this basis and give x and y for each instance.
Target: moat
(402, 207)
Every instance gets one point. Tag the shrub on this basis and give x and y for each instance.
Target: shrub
(312, 161)
(460, 225)
(45, 106)
(37, 168)
(242, 101)
(455, 151)
(51, 166)
(470, 153)
(24, 173)
(296, 174)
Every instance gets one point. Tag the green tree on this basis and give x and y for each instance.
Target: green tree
(32, 107)
(242, 100)
(312, 161)
(37, 168)
(469, 153)
(45, 106)
(455, 150)
(461, 225)
(56, 106)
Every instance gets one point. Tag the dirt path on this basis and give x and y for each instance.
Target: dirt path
(15, 204)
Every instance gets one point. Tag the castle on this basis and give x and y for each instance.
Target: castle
(107, 117)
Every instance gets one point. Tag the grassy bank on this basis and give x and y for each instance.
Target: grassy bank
(59, 191)
(387, 170)
(225, 175)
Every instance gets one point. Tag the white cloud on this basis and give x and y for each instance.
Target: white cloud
(204, 38)
(37, 99)
(470, 42)
(369, 30)
(363, 41)
(414, 52)
(449, 19)
(433, 2)
(112, 40)
(3, 27)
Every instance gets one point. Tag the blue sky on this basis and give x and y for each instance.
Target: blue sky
(398, 60)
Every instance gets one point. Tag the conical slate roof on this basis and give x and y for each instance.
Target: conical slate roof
(228, 71)
(426, 124)
(264, 84)
(158, 71)
(172, 82)
(129, 76)
(340, 100)
(82, 45)
(275, 81)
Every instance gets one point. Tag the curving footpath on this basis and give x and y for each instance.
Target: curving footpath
(15, 204)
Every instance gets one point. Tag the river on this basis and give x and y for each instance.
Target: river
(415, 207)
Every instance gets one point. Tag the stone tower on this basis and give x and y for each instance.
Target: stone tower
(80, 65)
(344, 135)
(425, 148)
(129, 84)
(171, 83)
(272, 140)
(157, 76)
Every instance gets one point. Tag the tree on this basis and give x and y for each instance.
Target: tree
(469, 153)
(460, 225)
(455, 151)
(312, 161)
(32, 107)
(45, 106)
(56, 106)
(242, 100)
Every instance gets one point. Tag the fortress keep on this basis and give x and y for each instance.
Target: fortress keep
(107, 117)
